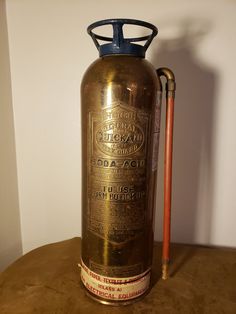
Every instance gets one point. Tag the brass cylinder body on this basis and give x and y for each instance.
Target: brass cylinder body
(120, 99)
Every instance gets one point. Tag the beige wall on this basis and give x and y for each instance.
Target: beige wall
(49, 52)
(10, 234)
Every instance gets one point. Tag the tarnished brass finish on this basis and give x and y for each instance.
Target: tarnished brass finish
(120, 125)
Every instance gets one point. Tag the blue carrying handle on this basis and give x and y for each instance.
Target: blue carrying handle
(118, 44)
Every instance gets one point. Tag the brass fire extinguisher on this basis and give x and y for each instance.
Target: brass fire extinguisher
(121, 104)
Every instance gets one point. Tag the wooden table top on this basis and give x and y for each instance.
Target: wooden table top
(47, 280)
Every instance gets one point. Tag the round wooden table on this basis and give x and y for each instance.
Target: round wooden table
(47, 280)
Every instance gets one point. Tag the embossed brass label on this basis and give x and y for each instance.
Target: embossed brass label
(118, 138)
(118, 148)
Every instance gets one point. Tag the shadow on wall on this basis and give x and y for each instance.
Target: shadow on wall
(192, 160)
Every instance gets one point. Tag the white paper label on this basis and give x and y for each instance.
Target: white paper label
(115, 288)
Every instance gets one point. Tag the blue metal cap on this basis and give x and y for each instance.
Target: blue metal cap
(118, 44)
